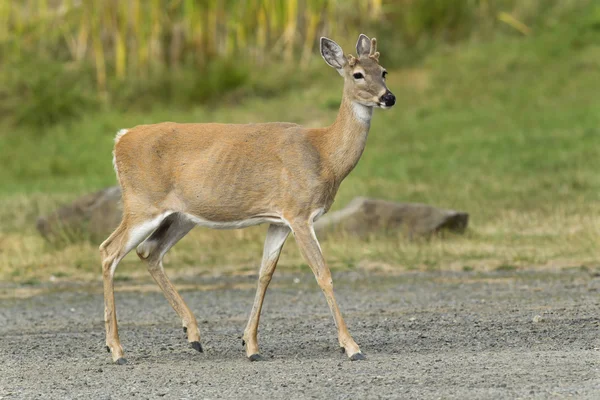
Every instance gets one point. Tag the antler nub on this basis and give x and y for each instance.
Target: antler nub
(373, 53)
(351, 60)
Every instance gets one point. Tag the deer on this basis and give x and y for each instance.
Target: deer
(176, 176)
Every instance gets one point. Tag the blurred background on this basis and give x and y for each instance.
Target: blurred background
(497, 115)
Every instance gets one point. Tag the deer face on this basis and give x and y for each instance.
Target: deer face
(364, 77)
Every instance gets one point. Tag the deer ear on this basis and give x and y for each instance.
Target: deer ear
(332, 53)
(363, 45)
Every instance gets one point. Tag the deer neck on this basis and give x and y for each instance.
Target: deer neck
(345, 140)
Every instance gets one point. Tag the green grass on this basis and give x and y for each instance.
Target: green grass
(507, 130)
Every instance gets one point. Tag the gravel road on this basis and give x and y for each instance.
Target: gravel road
(465, 335)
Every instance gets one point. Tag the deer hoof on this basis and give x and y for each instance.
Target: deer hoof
(197, 346)
(256, 357)
(357, 357)
(121, 361)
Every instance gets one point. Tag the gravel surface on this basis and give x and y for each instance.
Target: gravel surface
(426, 335)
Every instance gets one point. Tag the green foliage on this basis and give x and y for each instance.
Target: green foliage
(418, 27)
(436, 18)
(38, 92)
(61, 60)
(185, 87)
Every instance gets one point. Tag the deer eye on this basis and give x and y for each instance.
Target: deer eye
(384, 74)
(358, 75)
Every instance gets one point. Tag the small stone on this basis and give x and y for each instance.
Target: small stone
(537, 319)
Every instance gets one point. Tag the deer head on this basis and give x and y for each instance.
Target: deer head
(363, 76)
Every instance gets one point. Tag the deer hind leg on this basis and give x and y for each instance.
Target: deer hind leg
(153, 249)
(129, 234)
(276, 236)
(311, 251)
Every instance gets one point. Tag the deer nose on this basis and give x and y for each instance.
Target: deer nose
(388, 99)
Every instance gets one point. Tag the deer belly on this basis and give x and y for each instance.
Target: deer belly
(238, 224)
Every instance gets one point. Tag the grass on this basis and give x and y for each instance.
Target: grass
(507, 130)
(111, 45)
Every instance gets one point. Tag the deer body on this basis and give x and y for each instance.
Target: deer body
(227, 176)
(215, 182)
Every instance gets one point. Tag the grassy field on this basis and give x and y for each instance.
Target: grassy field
(507, 130)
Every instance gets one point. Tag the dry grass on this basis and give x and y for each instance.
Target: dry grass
(512, 240)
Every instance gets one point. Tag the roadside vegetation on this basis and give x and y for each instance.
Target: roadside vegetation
(497, 115)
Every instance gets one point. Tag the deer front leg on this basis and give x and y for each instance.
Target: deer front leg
(311, 251)
(276, 236)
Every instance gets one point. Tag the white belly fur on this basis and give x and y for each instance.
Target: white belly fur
(236, 224)
(259, 219)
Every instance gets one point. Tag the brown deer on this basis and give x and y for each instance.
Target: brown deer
(224, 176)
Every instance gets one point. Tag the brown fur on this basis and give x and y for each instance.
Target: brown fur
(229, 174)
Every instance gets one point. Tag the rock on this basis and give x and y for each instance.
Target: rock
(93, 217)
(364, 216)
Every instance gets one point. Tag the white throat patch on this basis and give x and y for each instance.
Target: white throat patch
(362, 113)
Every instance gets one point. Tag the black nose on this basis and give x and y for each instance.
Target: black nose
(388, 99)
